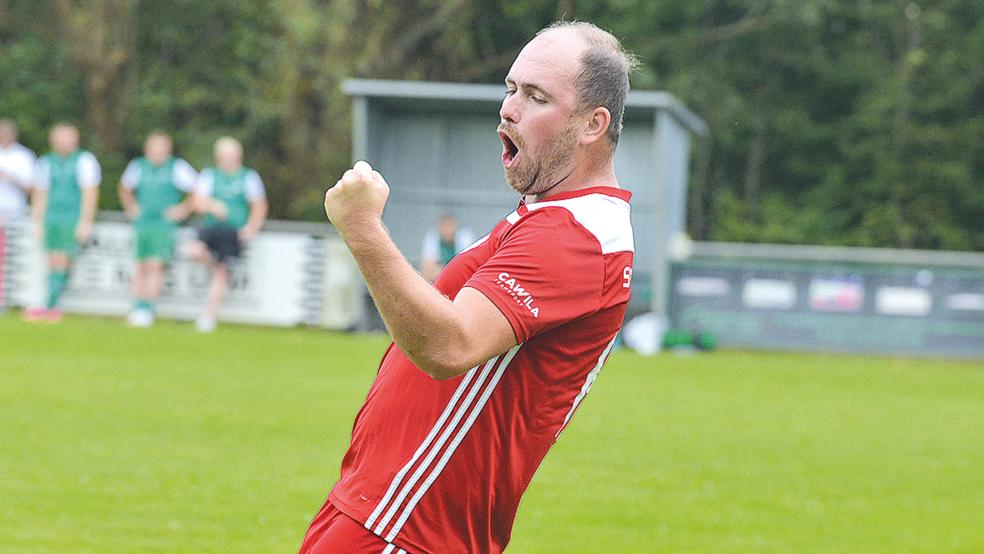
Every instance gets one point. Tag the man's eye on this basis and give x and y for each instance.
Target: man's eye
(510, 92)
(538, 99)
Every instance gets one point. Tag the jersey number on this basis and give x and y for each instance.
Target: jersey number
(627, 275)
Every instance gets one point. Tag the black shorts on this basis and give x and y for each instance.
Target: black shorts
(222, 242)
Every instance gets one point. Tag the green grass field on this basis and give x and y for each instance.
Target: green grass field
(120, 440)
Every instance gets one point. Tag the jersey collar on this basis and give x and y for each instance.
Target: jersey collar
(621, 194)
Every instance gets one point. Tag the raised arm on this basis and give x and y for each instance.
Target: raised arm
(441, 337)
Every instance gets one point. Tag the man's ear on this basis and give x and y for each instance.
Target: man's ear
(597, 125)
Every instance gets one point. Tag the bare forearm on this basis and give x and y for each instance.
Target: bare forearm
(90, 197)
(128, 201)
(39, 201)
(422, 321)
(257, 216)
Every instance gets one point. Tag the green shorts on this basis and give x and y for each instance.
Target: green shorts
(60, 237)
(155, 243)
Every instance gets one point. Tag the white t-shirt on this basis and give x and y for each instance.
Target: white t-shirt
(88, 173)
(182, 175)
(16, 160)
(254, 185)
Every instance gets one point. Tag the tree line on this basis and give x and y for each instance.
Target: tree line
(832, 121)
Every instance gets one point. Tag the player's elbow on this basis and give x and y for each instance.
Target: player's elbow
(442, 371)
(443, 364)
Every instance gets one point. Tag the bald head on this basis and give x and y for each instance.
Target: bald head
(602, 78)
(64, 138)
(228, 154)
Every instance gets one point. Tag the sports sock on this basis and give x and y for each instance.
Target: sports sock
(57, 280)
(145, 304)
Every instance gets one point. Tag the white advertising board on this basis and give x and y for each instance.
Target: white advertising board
(284, 278)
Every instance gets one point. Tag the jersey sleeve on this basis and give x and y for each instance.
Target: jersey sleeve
(203, 185)
(131, 175)
(548, 270)
(184, 176)
(89, 172)
(254, 187)
(42, 174)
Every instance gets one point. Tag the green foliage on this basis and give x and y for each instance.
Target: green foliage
(832, 122)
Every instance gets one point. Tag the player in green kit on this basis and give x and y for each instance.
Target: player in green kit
(154, 193)
(63, 205)
(234, 203)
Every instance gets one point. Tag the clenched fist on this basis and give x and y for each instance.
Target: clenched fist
(358, 198)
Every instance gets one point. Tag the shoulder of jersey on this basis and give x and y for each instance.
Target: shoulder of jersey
(605, 217)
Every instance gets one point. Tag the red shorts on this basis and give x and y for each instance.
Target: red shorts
(333, 532)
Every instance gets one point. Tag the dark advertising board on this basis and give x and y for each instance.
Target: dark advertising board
(847, 307)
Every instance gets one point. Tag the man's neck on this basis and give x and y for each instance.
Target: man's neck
(586, 173)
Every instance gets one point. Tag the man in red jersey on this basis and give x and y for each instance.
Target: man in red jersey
(488, 364)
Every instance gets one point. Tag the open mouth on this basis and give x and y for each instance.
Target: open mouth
(509, 149)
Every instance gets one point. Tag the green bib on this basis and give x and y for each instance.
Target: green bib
(156, 193)
(64, 195)
(447, 251)
(230, 189)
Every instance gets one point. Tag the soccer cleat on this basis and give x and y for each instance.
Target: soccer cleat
(205, 324)
(53, 315)
(35, 313)
(140, 318)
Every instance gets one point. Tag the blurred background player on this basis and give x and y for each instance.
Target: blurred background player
(234, 203)
(63, 205)
(441, 244)
(154, 192)
(16, 167)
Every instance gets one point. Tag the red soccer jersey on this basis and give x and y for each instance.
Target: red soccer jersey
(440, 466)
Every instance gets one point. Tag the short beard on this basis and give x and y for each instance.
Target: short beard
(540, 175)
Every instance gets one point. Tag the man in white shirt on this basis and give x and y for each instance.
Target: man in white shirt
(16, 166)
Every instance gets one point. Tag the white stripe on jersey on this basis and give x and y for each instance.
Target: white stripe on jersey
(459, 413)
(454, 444)
(423, 446)
(389, 548)
(476, 243)
(588, 382)
(466, 384)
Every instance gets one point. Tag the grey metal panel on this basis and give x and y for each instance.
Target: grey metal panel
(839, 254)
(451, 96)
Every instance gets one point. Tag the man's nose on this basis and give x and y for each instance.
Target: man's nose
(509, 111)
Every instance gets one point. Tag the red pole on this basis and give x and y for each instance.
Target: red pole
(3, 258)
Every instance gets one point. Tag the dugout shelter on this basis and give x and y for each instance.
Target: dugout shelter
(437, 146)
